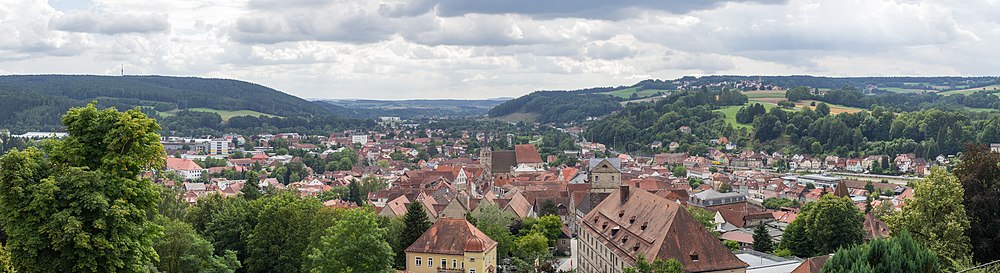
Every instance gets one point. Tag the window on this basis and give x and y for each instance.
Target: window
(694, 257)
(632, 220)
(597, 178)
(430, 262)
(444, 263)
(621, 214)
(472, 260)
(454, 263)
(472, 271)
(418, 262)
(644, 225)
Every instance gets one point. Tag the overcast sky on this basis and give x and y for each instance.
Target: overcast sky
(388, 49)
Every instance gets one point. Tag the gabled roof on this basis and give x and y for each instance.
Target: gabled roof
(656, 228)
(449, 236)
(594, 162)
(518, 204)
(503, 161)
(527, 153)
(182, 164)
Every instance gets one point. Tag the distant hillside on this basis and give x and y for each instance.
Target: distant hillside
(578, 105)
(410, 108)
(36, 102)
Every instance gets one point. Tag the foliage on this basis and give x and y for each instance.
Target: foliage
(725, 187)
(658, 266)
(936, 216)
(705, 217)
(279, 239)
(251, 188)
(356, 233)
(182, 250)
(495, 223)
(778, 203)
(823, 227)
(731, 245)
(679, 171)
(529, 248)
(979, 173)
(558, 106)
(415, 224)
(549, 226)
(80, 204)
(761, 239)
(900, 253)
(746, 115)
(782, 252)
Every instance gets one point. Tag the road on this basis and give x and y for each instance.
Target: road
(567, 264)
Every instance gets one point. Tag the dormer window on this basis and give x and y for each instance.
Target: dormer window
(624, 239)
(632, 220)
(694, 257)
(621, 214)
(604, 226)
(614, 231)
(635, 248)
(644, 225)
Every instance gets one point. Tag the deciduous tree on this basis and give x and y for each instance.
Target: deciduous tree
(936, 216)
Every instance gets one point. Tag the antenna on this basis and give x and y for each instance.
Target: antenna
(123, 70)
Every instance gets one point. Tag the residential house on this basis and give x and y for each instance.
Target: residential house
(452, 246)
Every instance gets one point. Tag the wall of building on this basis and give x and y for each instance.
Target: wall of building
(471, 262)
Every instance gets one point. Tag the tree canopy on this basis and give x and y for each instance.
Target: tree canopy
(900, 253)
(824, 226)
(936, 216)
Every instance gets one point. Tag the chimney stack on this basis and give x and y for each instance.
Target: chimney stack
(623, 192)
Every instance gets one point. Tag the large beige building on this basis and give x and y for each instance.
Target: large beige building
(452, 246)
(631, 222)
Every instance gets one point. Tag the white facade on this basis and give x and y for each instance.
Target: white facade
(218, 147)
(360, 139)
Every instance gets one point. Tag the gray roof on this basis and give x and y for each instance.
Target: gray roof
(712, 194)
(615, 162)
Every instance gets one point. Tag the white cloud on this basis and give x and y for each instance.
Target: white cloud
(476, 49)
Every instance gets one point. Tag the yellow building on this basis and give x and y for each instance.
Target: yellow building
(452, 246)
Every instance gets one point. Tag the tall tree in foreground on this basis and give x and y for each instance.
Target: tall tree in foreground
(181, 250)
(356, 243)
(80, 205)
(824, 226)
(936, 216)
(761, 239)
(658, 266)
(495, 223)
(251, 188)
(899, 253)
(979, 172)
(281, 236)
(416, 223)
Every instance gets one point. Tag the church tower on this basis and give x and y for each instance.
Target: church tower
(486, 160)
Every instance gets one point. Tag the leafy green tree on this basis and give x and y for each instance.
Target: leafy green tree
(900, 253)
(226, 223)
(679, 171)
(762, 239)
(495, 223)
(936, 216)
(278, 241)
(172, 204)
(705, 217)
(658, 266)
(182, 250)
(416, 223)
(725, 187)
(530, 248)
(731, 245)
(80, 205)
(979, 172)
(822, 109)
(354, 193)
(767, 127)
(251, 188)
(823, 226)
(550, 226)
(356, 243)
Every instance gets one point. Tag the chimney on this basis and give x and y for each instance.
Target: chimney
(623, 192)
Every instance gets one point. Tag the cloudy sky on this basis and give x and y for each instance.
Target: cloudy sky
(389, 49)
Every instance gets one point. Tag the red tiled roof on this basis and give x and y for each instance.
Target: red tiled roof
(449, 236)
(182, 164)
(526, 153)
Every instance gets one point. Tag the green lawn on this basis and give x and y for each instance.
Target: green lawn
(730, 112)
(226, 114)
(970, 91)
(627, 92)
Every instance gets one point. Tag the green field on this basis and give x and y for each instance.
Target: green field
(730, 112)
(970, 91)
(627, 92)
(226, 114)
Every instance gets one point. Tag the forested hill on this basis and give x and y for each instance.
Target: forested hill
(36, 102)
(579, 105)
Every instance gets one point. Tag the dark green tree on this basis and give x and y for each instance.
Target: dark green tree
(354, 193)
(416, 223)
(761, 239)
(251, 188)
(182, 250)
(936, 216)
(356, 243)
(979, 172)
(80, 204)
(279, 240)
(900, 253)
(823, 226)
